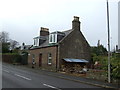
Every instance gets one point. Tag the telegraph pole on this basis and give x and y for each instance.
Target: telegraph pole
(109, 78)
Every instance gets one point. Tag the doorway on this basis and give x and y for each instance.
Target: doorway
(40, 59)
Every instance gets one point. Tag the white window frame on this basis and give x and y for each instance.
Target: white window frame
(36, 42)
(33, 57)
(54, 38)
(49, 58)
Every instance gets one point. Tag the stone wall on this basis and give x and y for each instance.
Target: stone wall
(74, 46)
(44, 51)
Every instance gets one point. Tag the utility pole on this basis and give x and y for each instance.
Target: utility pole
(109, 78)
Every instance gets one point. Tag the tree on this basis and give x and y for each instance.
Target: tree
(4, 37)
(7, 43)
(13, 44)
(99, 50)
(5, 48)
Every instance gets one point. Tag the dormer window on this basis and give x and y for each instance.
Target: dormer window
(36, 41)
(53, 38)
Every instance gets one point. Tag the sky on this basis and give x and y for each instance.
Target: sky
(22, 19)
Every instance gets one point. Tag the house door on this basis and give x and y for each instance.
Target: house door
(40, 60)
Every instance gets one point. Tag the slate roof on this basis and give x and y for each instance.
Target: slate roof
(46, 43)
(67, 32)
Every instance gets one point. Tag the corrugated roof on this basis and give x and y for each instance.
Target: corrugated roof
(75, 60)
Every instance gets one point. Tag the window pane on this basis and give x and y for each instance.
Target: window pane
(33, 57)
(50, 38)
(54, 38)
(34, 41)
(49, 58)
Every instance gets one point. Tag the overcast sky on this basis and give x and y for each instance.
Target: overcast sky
(22, 19)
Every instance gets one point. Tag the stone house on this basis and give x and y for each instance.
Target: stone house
(52, 50)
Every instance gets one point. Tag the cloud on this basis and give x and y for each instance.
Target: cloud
(26, 16)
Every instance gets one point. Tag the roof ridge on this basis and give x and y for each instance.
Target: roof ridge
(67, 30)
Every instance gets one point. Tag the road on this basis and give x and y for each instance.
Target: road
(13, 77)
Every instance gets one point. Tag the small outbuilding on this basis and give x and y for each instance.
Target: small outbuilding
(74, 65)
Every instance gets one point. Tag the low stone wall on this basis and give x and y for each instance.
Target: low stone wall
(97, 74)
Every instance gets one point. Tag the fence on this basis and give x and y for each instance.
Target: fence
(15, 58)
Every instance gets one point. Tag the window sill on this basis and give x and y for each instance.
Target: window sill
(49, 64)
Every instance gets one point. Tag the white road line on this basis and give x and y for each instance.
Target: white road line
(22, 77)
(51, 86)
(6, 71)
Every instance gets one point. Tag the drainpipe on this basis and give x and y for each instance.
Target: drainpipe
(56, 58)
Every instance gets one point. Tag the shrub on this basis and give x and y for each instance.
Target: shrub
(115, 64)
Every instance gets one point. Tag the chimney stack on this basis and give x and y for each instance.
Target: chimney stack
(116, 47)
(98, 44)
(44, 31)
(76, 23)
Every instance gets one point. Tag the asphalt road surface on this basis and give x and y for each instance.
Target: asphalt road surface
(13, 77)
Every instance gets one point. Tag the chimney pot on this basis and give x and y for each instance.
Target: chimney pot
(76, 18)
(76, 23)
(44, 31)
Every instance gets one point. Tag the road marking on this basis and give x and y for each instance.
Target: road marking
(22, 77)
(51, 86)
(6, 71)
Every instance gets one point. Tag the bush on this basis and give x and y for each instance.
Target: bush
(116, 72)
(115, 64)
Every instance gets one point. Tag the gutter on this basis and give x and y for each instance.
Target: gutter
(39, 47)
